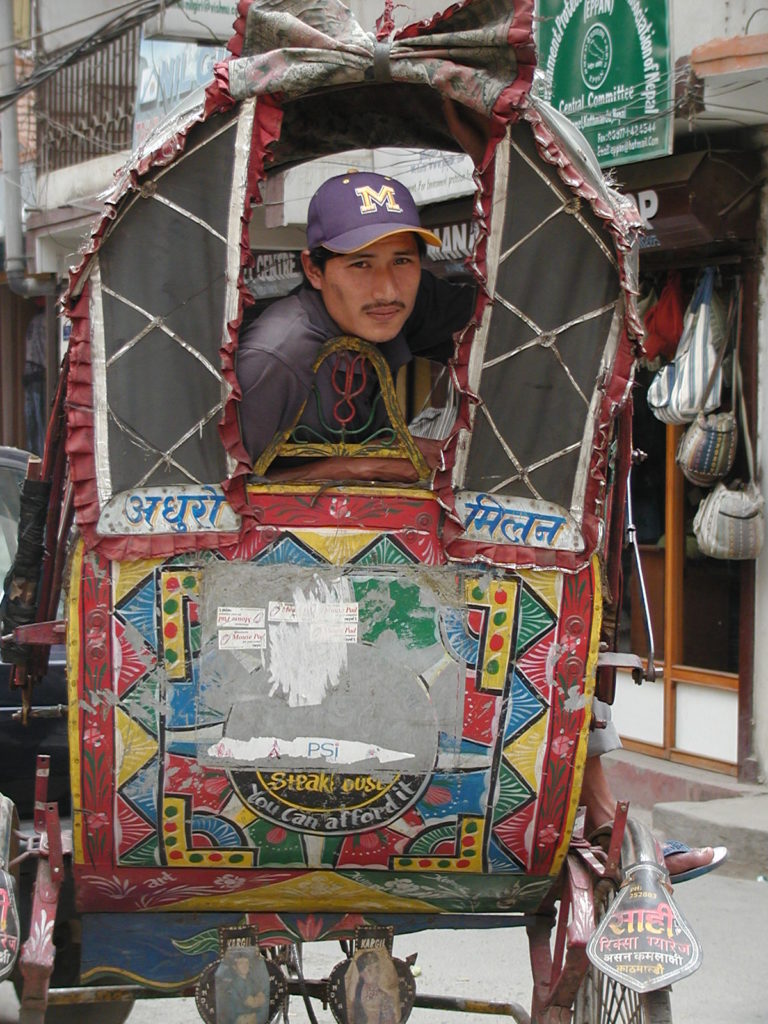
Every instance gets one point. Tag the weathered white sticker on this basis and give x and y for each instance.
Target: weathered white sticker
(304, 670)
(242, 639)
(240, 618)
(331, 750)
(282, 611)
(333, 632)
(320, 611)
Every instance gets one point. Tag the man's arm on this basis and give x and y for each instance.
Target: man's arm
(272, 397)
(471, 130)
(442, 308)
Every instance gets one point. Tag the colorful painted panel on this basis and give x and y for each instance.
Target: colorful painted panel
(171, 950)
(331, 724)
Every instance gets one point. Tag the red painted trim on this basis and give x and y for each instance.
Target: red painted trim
(566, 717)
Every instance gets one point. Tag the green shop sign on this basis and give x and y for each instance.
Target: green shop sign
(607, 68)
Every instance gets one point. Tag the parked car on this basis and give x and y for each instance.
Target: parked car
(21, 743)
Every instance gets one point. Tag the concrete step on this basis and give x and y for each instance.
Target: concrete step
(698, 807)
(741, 824)
(647, 781)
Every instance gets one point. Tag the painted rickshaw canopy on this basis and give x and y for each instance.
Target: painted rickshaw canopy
(541, 371)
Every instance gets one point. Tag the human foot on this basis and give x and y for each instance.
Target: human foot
(684, 862)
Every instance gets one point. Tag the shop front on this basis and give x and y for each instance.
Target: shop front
(702, 212)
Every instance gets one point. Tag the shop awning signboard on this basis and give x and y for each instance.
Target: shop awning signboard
(169, 72)
(273, 274)
(607, 66)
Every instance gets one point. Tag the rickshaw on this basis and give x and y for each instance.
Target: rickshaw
(315, 710)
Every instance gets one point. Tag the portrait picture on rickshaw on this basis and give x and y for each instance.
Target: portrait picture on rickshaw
(372, 992)
(241, 987)
(341, 561)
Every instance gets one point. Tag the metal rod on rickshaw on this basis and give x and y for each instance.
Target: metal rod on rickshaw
(631, 531)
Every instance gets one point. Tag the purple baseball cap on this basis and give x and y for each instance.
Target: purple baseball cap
(354, 209)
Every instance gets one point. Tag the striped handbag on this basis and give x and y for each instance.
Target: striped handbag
(730, 521)
(679, 392)
(707, 449)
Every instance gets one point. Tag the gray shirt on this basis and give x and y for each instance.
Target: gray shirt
(277, 351)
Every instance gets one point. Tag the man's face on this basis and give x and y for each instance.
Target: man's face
(371, 972)
(370, 293)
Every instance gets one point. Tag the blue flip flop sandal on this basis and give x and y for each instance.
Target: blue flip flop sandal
(674, 846)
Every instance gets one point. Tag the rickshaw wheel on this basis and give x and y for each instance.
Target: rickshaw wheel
(601, 1000)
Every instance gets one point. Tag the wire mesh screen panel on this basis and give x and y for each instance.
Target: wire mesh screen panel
(162, 287)
(539, 356)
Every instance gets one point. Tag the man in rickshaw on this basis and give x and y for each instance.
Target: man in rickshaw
(364, 278)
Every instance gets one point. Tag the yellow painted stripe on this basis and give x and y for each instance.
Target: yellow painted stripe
(127, 575)
(320, 890)
(384, 492)
(469, 857)
(523, 752)
(547, 585)
(337, 545)
(180, 855)
(134, 746)
(73, 697)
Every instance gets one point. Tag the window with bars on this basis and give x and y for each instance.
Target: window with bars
(86, 109)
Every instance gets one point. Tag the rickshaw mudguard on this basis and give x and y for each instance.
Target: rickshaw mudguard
(481, 677)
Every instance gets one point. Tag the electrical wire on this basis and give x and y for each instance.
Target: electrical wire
(136, 14)
(759, 10)
(131, 14)
(25, 43)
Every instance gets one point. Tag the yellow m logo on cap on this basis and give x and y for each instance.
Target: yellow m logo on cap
(372, 199)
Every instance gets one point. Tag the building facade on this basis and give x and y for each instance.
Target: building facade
(705, 208)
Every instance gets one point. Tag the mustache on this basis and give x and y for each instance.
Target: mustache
(396, 303)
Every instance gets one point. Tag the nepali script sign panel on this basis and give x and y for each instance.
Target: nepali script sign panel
(607, 67)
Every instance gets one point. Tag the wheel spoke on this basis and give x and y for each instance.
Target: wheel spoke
(601, 1000)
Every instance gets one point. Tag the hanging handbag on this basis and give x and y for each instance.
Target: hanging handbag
(730, 521)
(708, 447)
(664, 320)
(678, 391)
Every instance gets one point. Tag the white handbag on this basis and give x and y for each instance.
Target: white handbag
(730, 521)
(680, 389)
(707, 449)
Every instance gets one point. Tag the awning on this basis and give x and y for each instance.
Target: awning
(733, 72)
(696, 199)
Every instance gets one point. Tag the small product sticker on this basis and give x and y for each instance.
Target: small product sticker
(286, 611)
(333, 632)
(240, 618)
(242, 639)
(282, 611)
